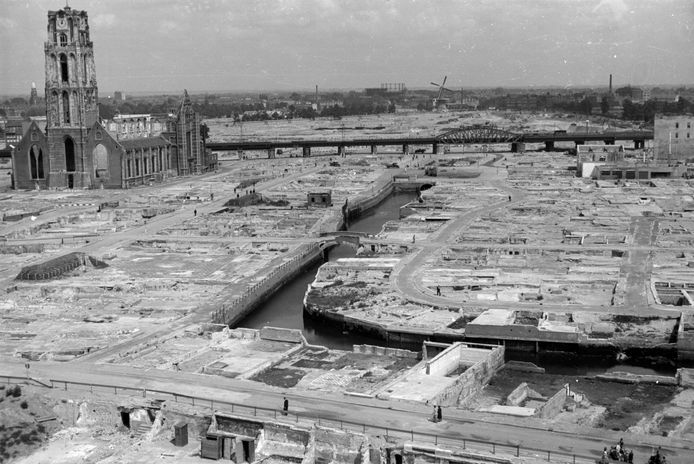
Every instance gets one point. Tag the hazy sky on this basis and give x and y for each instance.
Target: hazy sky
(168, 45)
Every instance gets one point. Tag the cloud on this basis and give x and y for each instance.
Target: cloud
(7, 23)
(167, 26)
(104, 20)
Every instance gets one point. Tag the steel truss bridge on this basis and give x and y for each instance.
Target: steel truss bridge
(477, 134)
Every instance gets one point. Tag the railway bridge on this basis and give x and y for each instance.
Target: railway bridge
(477, 134)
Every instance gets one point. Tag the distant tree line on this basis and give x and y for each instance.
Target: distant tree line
(352, 104)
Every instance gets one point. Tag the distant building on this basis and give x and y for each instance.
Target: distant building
(588, 157)
(75, 150)
(673, 137)
(320, 199)
(33, 96)
(131, 126)
(14, 128)
(118, 97)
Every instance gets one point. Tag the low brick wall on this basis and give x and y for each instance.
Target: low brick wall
(383, 351)
(56, 267)
(445, 362)
(282, 335)
(21, 249)
(472, 380)
(554, 405)
(518, 395)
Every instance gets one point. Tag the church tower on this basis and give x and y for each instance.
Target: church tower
(71, 97)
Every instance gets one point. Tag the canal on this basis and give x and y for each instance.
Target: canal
(285, 308)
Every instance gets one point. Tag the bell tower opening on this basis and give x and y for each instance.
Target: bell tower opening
(69, 154)
(63, 67)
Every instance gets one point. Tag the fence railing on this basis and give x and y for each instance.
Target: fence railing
(473, 445)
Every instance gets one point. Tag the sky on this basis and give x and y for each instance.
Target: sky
(237, 45)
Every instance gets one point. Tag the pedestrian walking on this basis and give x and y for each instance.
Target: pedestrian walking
(434, 415)
(438, 291)
(439, 414)
(195, 212)
(285, 406)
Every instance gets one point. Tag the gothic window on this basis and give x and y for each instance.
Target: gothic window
(98, 135)
(66, 108)
(137, 168)
(69, 154)
(100, 155)
(69, 27)
(130, 172)
(36, 161)
(84, 68)
(63, 39)
(63, 68)
(53, 111)
(73, 67)
(34, 136)
(53, 68)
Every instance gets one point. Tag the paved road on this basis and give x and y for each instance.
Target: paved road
(407, 275)
(332, 406)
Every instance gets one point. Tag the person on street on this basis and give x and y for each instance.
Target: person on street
(285, 406)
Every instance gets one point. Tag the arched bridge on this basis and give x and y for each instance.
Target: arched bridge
(483, 133)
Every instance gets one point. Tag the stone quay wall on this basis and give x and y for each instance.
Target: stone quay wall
(235, 310)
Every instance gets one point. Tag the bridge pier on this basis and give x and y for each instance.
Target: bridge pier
(549, 145)
(270, 153)
(517, 147)
(306, 151)
(374, 149)
(341, 151)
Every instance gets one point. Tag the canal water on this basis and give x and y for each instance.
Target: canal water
(285, 308)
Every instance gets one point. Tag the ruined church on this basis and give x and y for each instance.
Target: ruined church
(74, 149)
